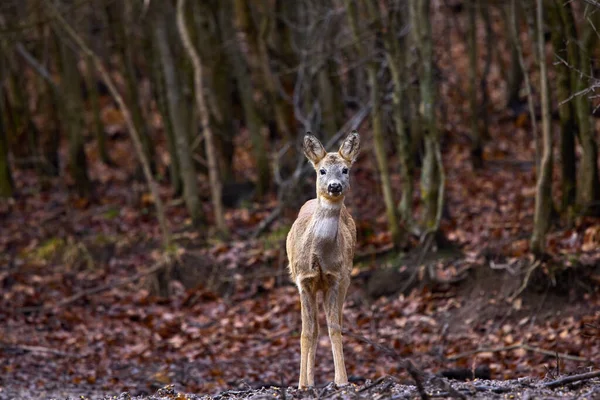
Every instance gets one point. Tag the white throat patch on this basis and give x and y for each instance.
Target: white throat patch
(327, 228)
(329, 205)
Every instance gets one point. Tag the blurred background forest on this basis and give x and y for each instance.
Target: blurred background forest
(150, 168)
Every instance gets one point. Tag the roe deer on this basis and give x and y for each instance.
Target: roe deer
(320, 249)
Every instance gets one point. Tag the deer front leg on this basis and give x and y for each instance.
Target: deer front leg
(334, 300)
(308, 337)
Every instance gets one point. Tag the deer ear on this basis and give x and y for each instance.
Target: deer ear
(351, 147)
(313, 149)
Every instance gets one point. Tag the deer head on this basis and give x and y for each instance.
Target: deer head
(333, 169)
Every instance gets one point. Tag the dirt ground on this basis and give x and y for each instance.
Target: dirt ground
(384, 388)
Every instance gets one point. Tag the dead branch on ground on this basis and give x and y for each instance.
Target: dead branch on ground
(514, 347)
(572, 379)
(525, 280)
(37, 349)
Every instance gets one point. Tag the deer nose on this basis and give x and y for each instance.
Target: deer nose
(334, 187)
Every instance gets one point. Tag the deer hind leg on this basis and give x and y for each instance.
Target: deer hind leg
(333, 303)
(308, 337)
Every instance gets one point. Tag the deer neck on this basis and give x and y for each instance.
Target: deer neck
(326, 220)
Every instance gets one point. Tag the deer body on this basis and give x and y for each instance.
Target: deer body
(320, 248)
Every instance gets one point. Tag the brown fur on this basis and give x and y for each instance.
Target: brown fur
(320, 248)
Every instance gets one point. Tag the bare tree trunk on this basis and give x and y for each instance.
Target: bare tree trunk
(515, 74)
(485, 96)
(432, 174)
(176, 107)
(219, 86)
(529, 11)
(476, 142)
(329, 90)
(119, 21)
(516, 41)
(6, 181)
(395, 48)
(71, 83)
(158, 86)
(543, 198)
(588, 183)
(562, 39)
(376, 120)
(280, 107)
(128, 120)
(215, 182)
(245, 88)
(92, 89)
(328, 98)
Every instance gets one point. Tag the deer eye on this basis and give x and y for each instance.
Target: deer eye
(345, 171)
(322, 171)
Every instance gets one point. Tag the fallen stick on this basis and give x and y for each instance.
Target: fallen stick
(571, 379)
(111, 285)
(37, 349)
(517, 346)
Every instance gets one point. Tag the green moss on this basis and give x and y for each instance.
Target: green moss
(112, 213)
(47, 250)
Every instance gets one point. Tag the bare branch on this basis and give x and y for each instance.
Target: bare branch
(35, 64)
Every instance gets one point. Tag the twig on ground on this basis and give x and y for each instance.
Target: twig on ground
(111, 285)
(571, 379)
(517, 346)
(372, 384)
(37, 349)
(495, 389)
(525, 280)
(443, 383)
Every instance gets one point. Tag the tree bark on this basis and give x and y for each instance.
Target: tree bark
(73, 110)
(476, 142)
(516, 41)
(376, 120)
(562, 38)
(6, 180)
(245, 88)
(215, 182)
(543, 197)
(176, 106)
(124, 41)
(395, 48)
(484, 133)
(158, 87)
(432, 173)
(588, 183)
(219, 87)
(92, 89)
